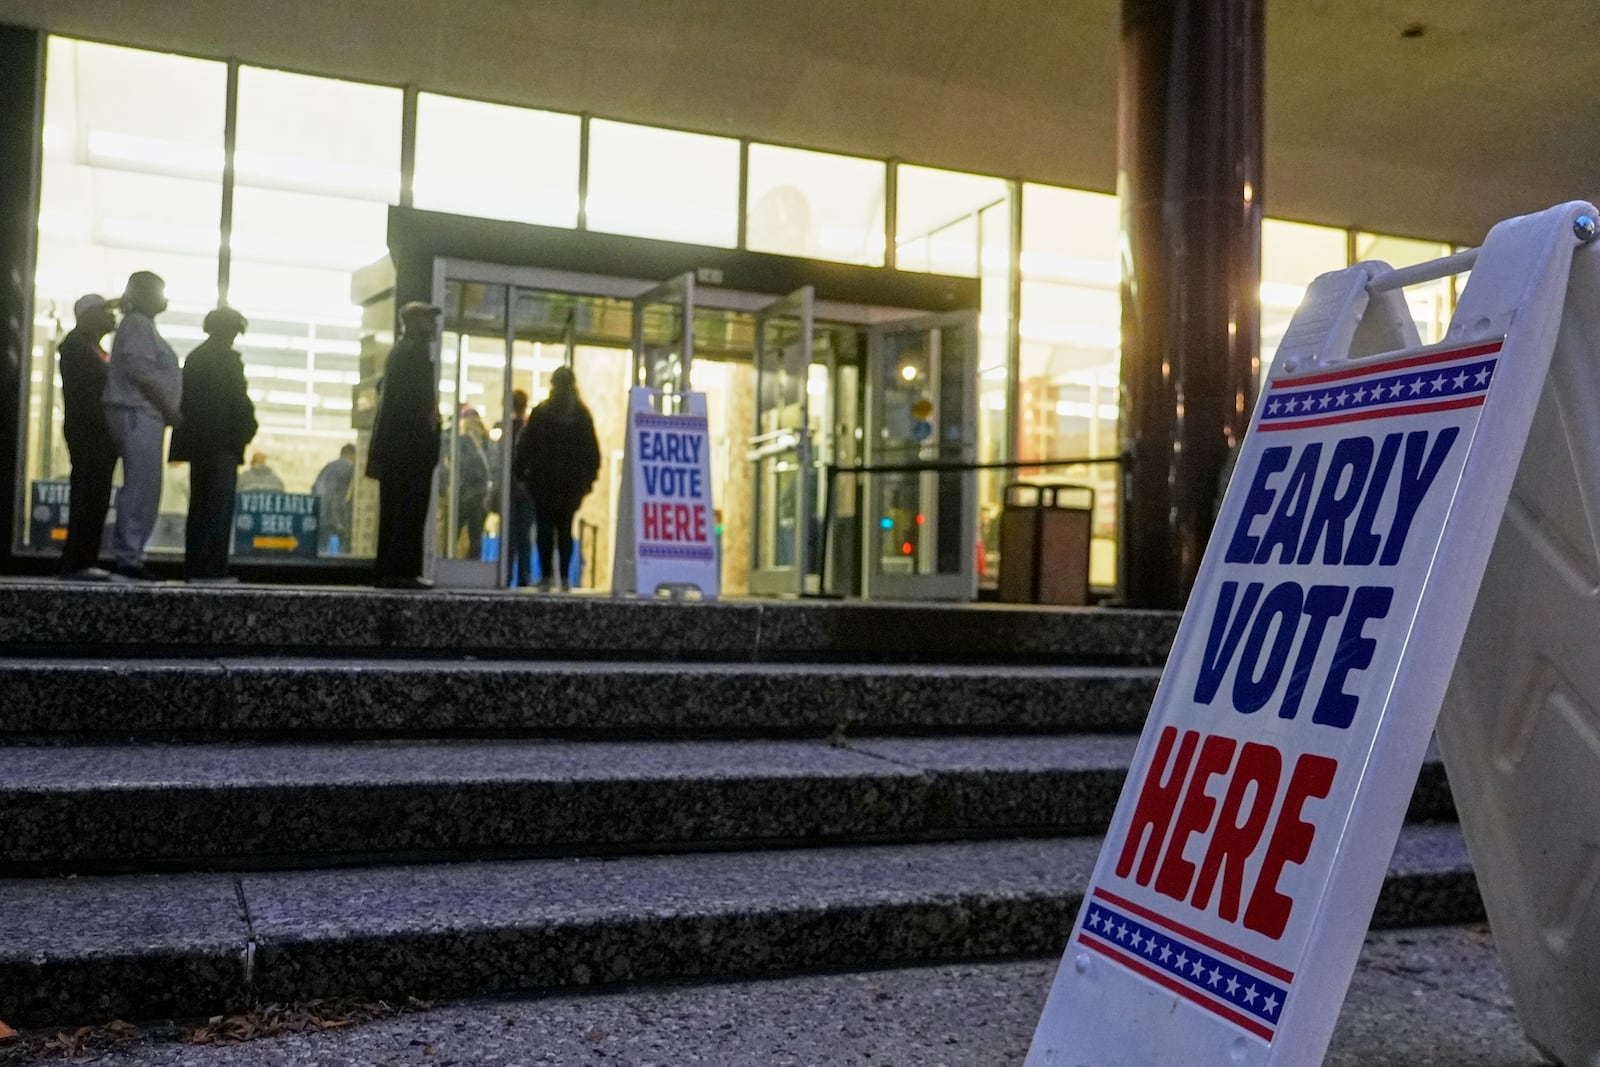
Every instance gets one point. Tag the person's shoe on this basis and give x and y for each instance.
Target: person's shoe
(566, 586)
(546, 585)
(87, 574)
(137, 572)
(405, 583)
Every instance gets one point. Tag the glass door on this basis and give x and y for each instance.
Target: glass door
(663, 335)
(475, 386)
(920, 526)
(783, 496)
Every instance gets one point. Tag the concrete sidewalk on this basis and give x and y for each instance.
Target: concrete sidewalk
(1421, 998)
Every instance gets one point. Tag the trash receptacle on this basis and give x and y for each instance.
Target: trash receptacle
(1044, 543)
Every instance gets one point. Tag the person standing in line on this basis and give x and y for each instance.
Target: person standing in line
(558, 460)
(521, 537)
(219, 420)
(143, 396)
(259, 477)
(332, 488)
(405, 448)
(472, 479)
(89, 444)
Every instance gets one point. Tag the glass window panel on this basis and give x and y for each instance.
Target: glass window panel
(674, 186)
(318, 134)
(1431, 304)
(937, 215)
(129, 181)
(1293, 254)
(318, 163)
(1071, 349)
(498, 162)
(816, 204)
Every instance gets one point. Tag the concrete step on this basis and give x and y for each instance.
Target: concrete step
(169, 619)
(131, 807)
(245, 697)
(1420, 997)
(72, 951)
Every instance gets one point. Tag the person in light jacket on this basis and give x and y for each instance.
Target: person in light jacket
(219, 420)
(143, 396)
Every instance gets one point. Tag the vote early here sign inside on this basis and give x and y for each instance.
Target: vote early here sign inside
(1213, 872)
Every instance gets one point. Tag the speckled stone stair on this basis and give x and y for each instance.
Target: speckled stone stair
(196, 944)
(201, 697)
(98, 807)
(168, 619)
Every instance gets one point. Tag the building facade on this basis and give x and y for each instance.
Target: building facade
(270, 190)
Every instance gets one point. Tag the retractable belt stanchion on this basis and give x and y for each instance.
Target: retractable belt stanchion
(1408, 527)
(666, 522)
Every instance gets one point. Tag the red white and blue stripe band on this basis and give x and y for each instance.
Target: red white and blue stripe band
(1246, 991)
(1444, 380)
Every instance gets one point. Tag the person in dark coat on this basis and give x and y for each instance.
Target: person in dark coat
(89, 444)
(405, 448)
(473, 501)
(219, 420)
(557, 459)
(521, 536)
(332, 489)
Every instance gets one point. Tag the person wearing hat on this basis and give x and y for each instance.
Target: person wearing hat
(89, 444)
(404, 449)
(219, 420)
(143, 396)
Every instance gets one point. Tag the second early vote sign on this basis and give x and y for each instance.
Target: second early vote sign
(674, 521)
(1214, 869)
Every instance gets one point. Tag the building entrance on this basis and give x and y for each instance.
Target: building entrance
(823, 417)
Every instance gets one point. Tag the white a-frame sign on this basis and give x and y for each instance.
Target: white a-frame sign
(1408, 528)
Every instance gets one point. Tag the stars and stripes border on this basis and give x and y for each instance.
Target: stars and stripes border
(1224, 981)
(671, 422)
(674, 552)
(1437, 381)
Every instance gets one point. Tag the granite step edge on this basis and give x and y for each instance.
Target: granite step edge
(477, 929)
(265, 697)
(236, 806)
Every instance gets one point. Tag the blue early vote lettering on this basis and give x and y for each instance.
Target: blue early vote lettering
(1335, 707)
(1226, 630)
(1364, 542)
(1416, 477)
(1323, 602)
(1282, 606)
(1290, 518)
(1242, 549)
(1352, 457)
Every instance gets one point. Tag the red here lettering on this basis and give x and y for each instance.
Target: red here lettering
(699, 522)
(1269, 909)
(1232, 843)
(652, 522)
(1158, 799)
(1177, 873)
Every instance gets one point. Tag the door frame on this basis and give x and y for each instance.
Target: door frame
(796, 580)
(962, 584)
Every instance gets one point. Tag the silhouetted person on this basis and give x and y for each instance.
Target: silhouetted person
(405, 448)
(472, 479)
(520, 540)
(219, 420)
(143, 396)
(333, 489)
(558, 459)
(259, 477)
(89, 443)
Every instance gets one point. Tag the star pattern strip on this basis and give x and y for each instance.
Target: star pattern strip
(1242, 990)
(1381, 391)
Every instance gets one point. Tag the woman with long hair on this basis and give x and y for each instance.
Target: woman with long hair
(557, 460)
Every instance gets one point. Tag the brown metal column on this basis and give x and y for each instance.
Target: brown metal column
(1189, 182)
